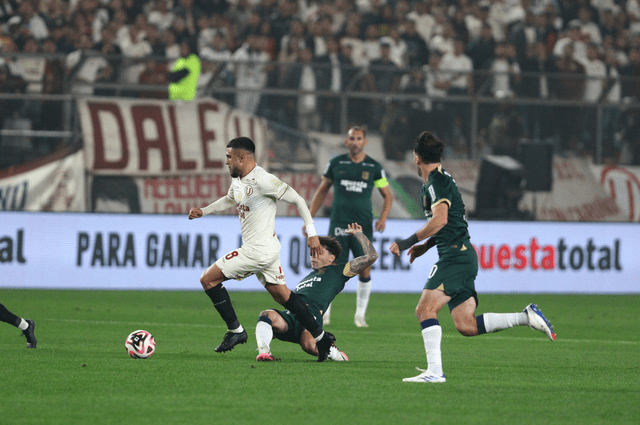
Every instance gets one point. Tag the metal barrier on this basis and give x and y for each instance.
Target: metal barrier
(472, 124)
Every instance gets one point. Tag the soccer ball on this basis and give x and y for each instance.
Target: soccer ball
(140, 344)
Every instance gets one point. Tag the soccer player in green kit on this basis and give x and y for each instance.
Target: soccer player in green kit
(353, 177)
(317, 290)
(451, 280)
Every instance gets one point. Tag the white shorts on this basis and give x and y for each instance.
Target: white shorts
(241, 263)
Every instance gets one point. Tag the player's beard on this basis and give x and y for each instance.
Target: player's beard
(234, 172)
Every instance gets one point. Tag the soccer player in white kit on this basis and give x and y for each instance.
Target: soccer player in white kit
(254, 193)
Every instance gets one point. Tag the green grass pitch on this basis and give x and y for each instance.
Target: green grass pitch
(81, 374)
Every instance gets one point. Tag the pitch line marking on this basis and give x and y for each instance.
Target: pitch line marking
(201, 325)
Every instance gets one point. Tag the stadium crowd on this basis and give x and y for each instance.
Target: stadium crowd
(586, 51)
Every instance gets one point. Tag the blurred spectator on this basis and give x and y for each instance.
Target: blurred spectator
(505, 71)
(304, 76)
(332, 73)
(154, 40)
(7, 10)
(630, 74)
(30, 20)
(397, 45)
(417, 50)
(587, 27)
(443, 42)
(569, 85)
(457, 68)
(525, 33)
(85, 70)
(384, 77)
(217, 70)
(611, 112)
(608, 24)
(183, 79)
(423, 19)
(171, 46)
(250, 73)
(481, 50)
(52, 84)
(295, 35)
(408, 118)
(535, 85)
(437, 87)
(371, 44)
(155, 73)
(353, 39)
(572, 37)
(161, 16)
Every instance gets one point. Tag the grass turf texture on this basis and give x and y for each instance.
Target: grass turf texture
(81, 374)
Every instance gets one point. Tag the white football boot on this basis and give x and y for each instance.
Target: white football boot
(538, 322)
(426, 376)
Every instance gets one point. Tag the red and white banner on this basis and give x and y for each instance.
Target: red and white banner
(622, 183)
(53, 183)
(163, 138)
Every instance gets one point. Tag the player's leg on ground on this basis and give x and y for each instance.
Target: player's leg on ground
(363, 293)
(26, 326)
(211, 281)
(326, 317)
(294, 304)
(268, 322)
(431, 302)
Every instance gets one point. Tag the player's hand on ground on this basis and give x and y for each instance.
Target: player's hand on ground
(380, 225)
(314, 245)
(353, 228)
(195, 213)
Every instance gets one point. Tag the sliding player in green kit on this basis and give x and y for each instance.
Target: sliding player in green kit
(451, 280)
(317, 290)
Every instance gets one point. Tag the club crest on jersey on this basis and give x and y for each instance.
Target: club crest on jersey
(365, 175)
(248, 191)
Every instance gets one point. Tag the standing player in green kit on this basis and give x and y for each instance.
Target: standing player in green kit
(451, 280)
(353, 177)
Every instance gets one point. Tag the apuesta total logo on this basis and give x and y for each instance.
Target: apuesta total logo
(589, 256)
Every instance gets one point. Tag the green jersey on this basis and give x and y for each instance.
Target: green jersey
(353, 184)
(321, 286)
(441, 187)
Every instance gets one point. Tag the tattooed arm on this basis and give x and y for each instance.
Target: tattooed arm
(370, 256)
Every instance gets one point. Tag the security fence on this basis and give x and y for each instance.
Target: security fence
(38, 116)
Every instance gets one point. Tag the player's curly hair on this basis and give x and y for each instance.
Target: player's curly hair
(331, 244)
(243, 143)
(428, 147)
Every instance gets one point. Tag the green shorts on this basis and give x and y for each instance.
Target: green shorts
(348, 242)
(295, 327)
(455, 274)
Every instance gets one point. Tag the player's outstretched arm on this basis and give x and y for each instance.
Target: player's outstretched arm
(370, 256)
(292, 197)
(386, 208)
(433, 226)
(318, 199)
(217, 206)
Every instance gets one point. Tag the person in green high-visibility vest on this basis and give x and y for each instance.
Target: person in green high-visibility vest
(183, 78)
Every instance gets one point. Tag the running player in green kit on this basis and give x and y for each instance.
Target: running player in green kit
(317, 290)
(451, 280)
(353, 177)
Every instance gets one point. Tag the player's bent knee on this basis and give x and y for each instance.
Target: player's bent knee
(466, 329)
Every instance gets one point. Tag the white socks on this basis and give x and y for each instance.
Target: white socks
(494, 322)
(334, 354)
(362, 297)
(238, 330)
(326, 317)
(264, 335)
(23, 325)
(432, 336)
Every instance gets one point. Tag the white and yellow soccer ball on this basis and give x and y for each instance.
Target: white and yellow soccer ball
(140, 344)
